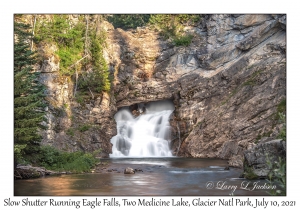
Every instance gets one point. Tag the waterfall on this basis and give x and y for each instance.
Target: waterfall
(147, 135)
(179, 144)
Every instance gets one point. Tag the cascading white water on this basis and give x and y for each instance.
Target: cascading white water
(144, 136)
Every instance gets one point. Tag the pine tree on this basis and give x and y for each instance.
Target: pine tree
(28, 96)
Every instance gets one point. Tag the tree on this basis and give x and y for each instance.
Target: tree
(28, 96)
(127, 21)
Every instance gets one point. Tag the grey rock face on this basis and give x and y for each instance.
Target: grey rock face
(257, 157)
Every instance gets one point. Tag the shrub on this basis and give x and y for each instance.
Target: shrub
(277, 175)
(249, 173)
(68, 39)
(184, 40)
(127, 21)
(282, 119)
(171, 25)
(79, 99)
(70, 132)
(84, 128)
(97, 79)
(77, 162)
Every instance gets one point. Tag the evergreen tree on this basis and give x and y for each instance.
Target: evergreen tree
(28, 96)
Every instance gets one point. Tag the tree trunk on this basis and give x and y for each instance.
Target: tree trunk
(33, 32)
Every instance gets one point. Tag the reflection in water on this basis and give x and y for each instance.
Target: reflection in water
(163, 176)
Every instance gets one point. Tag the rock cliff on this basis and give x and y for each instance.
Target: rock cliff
(226, 87)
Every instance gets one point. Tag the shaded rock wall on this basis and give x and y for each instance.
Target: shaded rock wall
(258, 160)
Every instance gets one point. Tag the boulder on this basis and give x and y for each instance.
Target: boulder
(236, 161)
(129, 171)
(258, 159)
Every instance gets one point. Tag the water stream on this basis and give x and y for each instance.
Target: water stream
(147, 135)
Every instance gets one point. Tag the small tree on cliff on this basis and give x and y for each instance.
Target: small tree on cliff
(28, 96)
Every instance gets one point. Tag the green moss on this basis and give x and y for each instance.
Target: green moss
(199, 123)
(70, 132)
(84, 127)
(260, 136)
(252, 80)
(281, 107)
(66, 106)
(257, 139)
(79, 99)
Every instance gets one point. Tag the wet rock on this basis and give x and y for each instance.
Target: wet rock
(28, 172)
(129, 171)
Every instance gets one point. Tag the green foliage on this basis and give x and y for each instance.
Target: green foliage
(171, 26)
(260, 136)
(277, 175)
(282, 119)
(188, 19)
(68, 38)
(77, 162)
(184, 40)
(249, 173)
(127, 21)
(28, 96)
(97, 79)
(252, 80)
(281, 109)
(84, 127)
(257, 139)
(76, 41)
(79, 99)
(70, 132)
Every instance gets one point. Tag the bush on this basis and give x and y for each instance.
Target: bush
(282, 119)
(70, 132)
(249, 173)
(79, 99)
(84, 128)
(68, 39)
(127, 21)
(170, 26)
(53, 159)
(98, 79)
(277, 175)
(184, 40)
